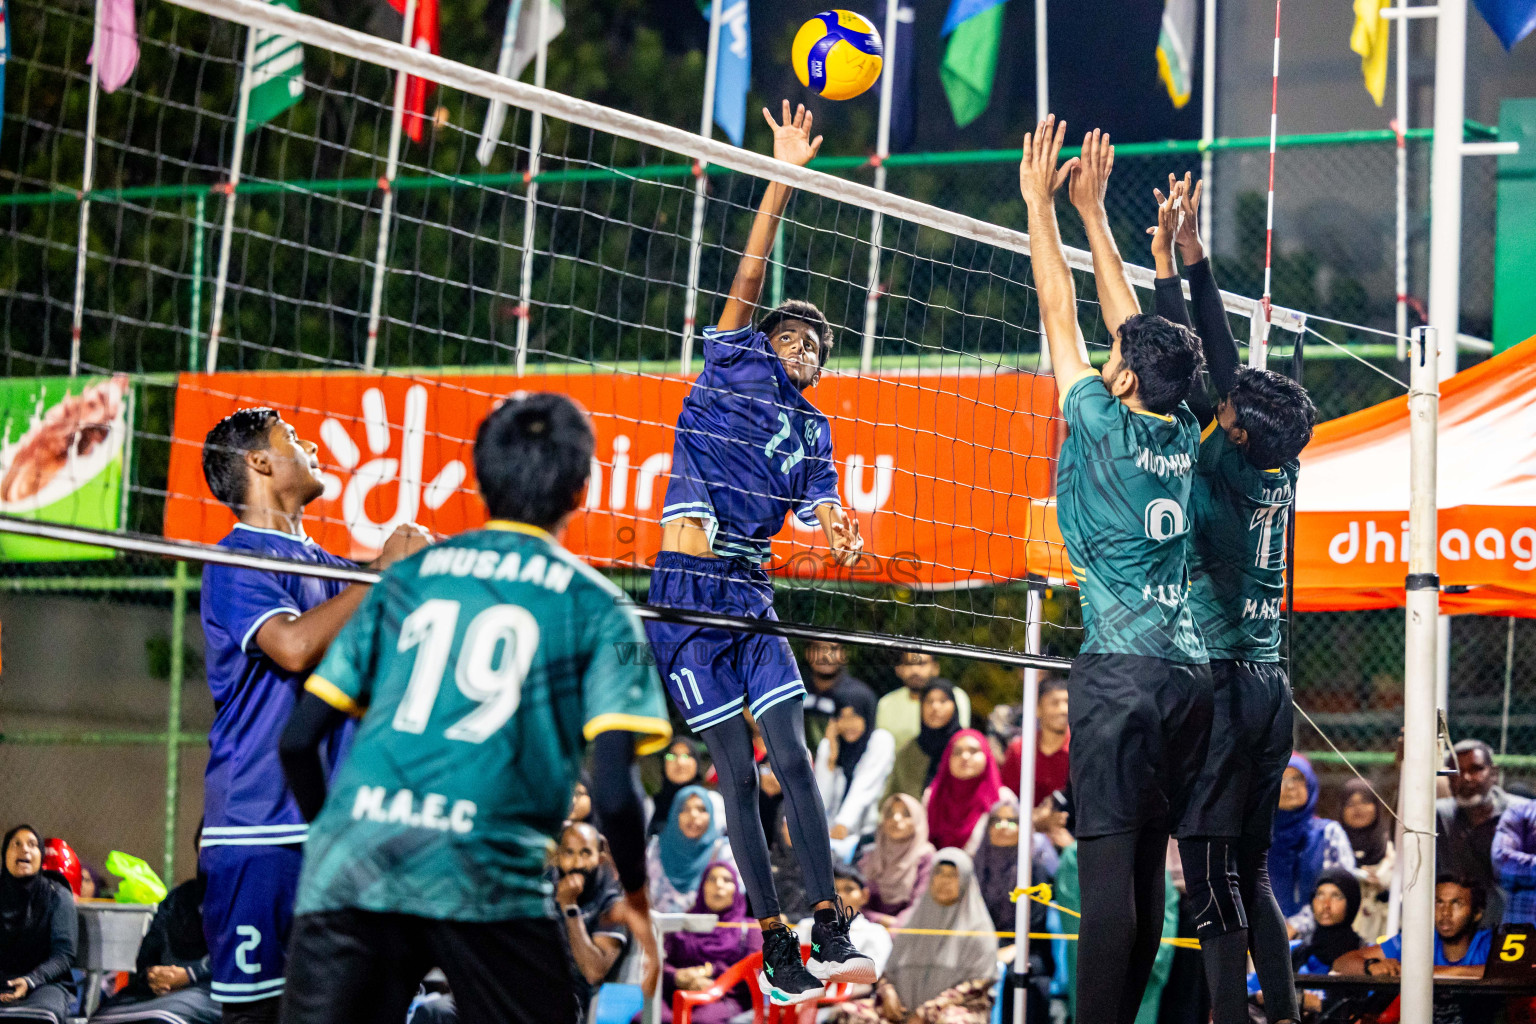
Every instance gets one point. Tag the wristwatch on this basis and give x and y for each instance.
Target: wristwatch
(1369, 963)
(573, 911)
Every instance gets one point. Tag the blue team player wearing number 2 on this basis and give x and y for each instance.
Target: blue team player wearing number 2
(750, 449)
(263, 632)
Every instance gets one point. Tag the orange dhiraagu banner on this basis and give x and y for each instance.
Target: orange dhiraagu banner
(1352, 500)
(950, 475)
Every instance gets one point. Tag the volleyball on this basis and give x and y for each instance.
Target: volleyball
(838, 54)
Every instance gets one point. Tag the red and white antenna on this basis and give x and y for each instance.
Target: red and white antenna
(1259, 352)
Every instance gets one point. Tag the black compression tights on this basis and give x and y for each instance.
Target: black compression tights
(1121, 878)
(1214, 897)
(730, 748)
(1267, 936)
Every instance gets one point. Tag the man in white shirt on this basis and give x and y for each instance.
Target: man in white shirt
(901, 711)
(871, 939)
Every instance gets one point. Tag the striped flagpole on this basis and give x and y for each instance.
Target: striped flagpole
(87, 183)
(1258, 349)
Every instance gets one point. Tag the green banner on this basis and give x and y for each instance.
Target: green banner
(276, 74)
(64, 445)
(1514, 253)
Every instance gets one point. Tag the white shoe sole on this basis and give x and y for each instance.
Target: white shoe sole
(858, 971)
(778, 997)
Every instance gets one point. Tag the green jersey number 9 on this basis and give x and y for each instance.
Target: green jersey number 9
(492, 663)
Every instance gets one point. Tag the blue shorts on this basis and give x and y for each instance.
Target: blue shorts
(247, 915)
(712, 674)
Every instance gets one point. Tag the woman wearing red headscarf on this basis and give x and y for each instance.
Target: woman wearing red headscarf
(964, 791)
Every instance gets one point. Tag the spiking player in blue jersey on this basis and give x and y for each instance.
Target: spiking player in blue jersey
(751, 449)
(263, 632)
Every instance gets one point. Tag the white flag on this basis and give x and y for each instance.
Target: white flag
(519, 46)
(1176, 50)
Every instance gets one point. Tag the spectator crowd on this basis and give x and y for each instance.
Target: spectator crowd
(926, 821)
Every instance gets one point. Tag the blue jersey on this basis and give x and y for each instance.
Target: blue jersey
(750, 448)
(246, 801)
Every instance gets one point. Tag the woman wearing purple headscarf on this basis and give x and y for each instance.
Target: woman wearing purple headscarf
(1304, 847)
(695, 959)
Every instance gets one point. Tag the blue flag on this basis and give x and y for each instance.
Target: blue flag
(1511, 20)
(733, 68)
(5, 48)
(901, 61)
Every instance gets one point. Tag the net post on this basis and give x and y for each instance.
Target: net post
(226, 239)
(173, 716)
(1420, 716)
(876, 220)
(1028, 737)
(1042, 60)
(700, 186)
(387, 207)
(531, 197)
(1445, 179)
(87, 183)
(1400, 127)
(1207, 118)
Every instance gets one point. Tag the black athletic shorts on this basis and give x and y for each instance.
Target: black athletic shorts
(361, 967)
(1239, 787)
(1139, 732)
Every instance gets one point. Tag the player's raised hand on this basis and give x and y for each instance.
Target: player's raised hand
(1166, 229)
(1090, 178)
(846, 542)
(1039, 177)
(1191, 246)
(407, 539)
(792, 140)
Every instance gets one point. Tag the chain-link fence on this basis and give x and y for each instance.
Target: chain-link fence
(104, 710)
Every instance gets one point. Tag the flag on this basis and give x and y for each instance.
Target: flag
(901, 57)
(519, 47)
(5, 50)
(276, 75)
(975, 29)
(1176, 50)
(733, 67)
(1511, 20)
(423, 37)
(1372, 40)
(118, 37)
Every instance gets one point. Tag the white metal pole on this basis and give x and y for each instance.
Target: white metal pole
(1028, 738)
(87, 182)
(1509, 674)
(1208, 119)
(876, 220)
(1400, 126)
(387, 208)
(1445, 179)
(700, 186)
(226, 239)
(531, 197)
(1042, 62)
(1420, 729)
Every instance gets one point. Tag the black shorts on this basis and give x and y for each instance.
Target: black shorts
(1239, 787)
(1139, 732)
(359, 967)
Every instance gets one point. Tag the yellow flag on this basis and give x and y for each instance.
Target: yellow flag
(1371, 39)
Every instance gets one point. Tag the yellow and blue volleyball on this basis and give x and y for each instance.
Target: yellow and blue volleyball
(837, 54)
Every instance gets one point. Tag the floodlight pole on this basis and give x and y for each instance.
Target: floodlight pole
(387, 207)
(700, 188)
(87, 183)
(876, 220)
(1028, 737)
(1042, 61)
(1420, 714)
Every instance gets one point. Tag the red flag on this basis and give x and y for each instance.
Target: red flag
(423, 37)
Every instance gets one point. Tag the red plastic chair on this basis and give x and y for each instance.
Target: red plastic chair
(746, 971)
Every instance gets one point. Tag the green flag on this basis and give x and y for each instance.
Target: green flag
(1176, 50)
(975, 28)
(276, 74)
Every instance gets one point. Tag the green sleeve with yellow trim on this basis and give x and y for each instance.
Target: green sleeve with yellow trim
(344, 677)
(620, 689)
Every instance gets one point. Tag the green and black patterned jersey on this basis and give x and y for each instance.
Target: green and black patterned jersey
(480, 667)
(1237, 551)
(1122, 495)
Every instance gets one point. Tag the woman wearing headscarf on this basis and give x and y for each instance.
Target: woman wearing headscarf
(966, 787)
(37, 933)
(682, 764)
(1370, 837)
(1335, 902)
(689, 841)
(917, 761)
(853, 760)
(695, 959)
(1304, 847)
(898, 864)
(997, 863)
(938, 979)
